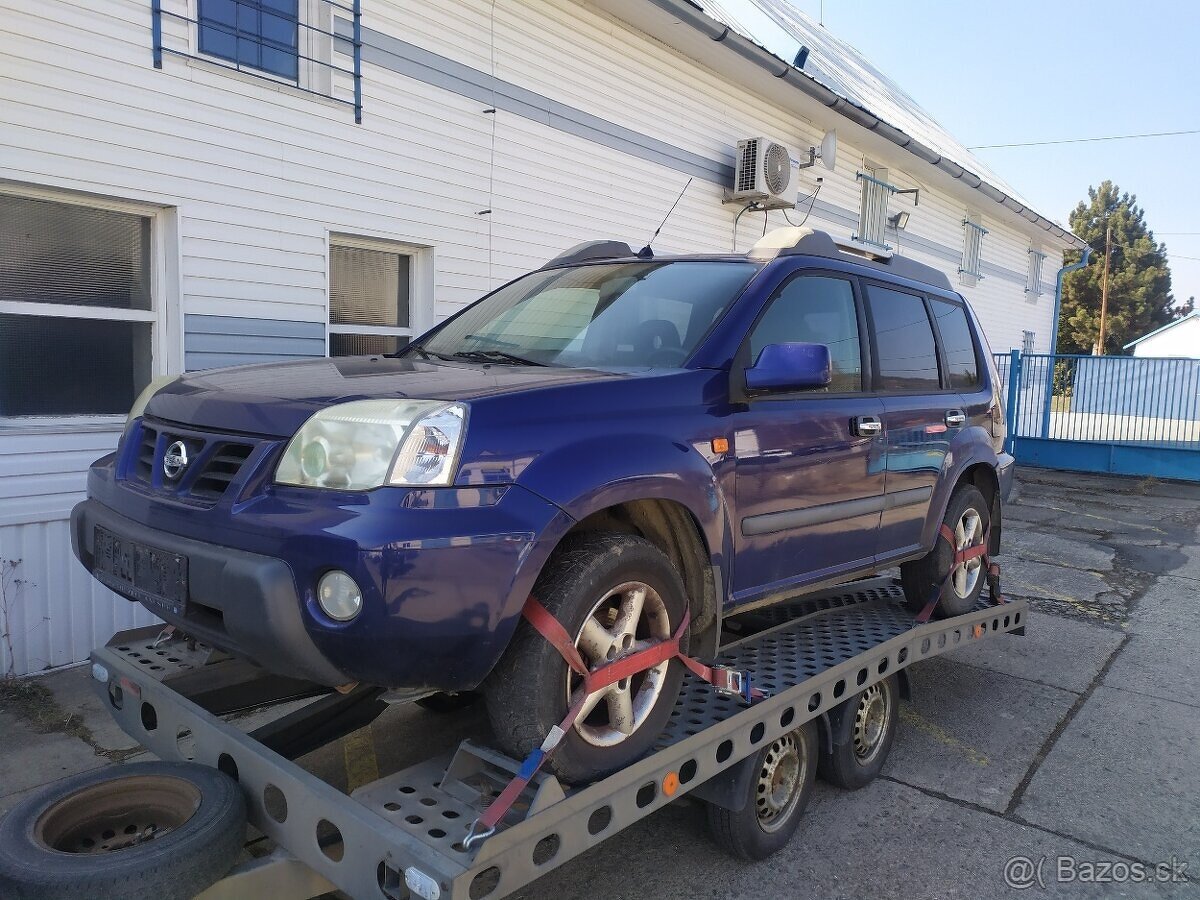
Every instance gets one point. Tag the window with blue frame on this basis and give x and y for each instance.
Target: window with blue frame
(254, 34)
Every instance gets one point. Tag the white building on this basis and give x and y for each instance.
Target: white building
(161, 218)
(1180, 338)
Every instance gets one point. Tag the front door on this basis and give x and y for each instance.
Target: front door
(916, 414)
(809, 464)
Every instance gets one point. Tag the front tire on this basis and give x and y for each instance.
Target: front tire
(968, 517)
(613, 594)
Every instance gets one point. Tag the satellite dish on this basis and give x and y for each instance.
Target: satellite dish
(826, 153)
(828, 150)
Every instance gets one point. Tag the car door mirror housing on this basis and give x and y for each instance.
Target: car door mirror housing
(790, 367)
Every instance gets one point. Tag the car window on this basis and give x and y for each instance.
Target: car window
(815, 309)
(962, 368)
(620, 314)
(904, 338)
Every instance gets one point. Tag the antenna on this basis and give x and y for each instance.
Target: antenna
(646, 252)
(826, 153)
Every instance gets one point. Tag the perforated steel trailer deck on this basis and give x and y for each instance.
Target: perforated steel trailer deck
(403, 835)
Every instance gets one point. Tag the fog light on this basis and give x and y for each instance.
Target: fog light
(338, 595)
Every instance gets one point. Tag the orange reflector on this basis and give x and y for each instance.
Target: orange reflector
(979, 630)
(720, 445)
(670, 784)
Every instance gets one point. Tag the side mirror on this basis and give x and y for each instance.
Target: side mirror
(790, 367)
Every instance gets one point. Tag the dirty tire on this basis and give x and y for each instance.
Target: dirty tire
(176, 865)
(448, 702)
(861, 735)
(743, 833)
(922, 576)
(526, 693)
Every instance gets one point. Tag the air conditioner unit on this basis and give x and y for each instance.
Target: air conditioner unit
(763, 172)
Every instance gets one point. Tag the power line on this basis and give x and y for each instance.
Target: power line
(1087, 140)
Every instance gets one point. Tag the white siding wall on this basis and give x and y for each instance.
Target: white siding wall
(1181, 340)
(258, 176)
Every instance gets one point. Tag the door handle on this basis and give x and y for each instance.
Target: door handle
(955, 418)
(866, 426)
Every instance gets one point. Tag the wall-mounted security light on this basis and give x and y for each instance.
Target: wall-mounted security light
(899, 220)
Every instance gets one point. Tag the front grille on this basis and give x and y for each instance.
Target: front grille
(214, 462)
(220, 468)
(144, 464)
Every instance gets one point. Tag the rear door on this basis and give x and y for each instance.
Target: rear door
(809, 477)
(920, 414)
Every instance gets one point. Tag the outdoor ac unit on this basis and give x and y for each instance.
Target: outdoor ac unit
(764, 172)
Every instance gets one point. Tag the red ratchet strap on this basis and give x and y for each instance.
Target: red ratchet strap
(991, 570)
(725, 680)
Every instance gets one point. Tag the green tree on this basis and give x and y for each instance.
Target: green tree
(1139, 278)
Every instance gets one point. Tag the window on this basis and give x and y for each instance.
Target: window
(634, 314)
(1027, 341)
(76, 310)
(872, 213)
(816, 310)
(904, 338)
(1033, 280)
(370, 299)
(958, 347)
(253, 34)
(973, 232)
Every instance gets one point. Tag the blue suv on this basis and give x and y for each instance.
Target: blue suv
(628, 439)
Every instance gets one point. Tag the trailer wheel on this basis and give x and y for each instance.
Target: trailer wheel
(784, 775)
(861, 733)
(154, 829)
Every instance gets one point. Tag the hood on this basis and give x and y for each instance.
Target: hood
(277, 398)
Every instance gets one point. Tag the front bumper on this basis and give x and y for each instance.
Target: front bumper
(443, 585)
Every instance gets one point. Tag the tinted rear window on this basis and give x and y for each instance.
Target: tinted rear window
(907, 351)
(961, 365)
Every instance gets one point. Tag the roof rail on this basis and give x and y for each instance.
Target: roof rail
(591, 250)
(809, 242)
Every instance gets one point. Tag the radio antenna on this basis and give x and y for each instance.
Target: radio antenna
(647, 252)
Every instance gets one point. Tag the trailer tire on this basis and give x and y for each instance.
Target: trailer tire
(921, 577)
(527, 691)
(52, 845)
(861, 733)
(769, 817)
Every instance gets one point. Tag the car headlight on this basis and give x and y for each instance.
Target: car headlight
(139, 405)
(369, 443)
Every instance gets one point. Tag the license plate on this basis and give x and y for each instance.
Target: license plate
(155, 577)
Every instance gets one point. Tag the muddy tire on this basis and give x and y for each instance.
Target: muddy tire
(612, 593)
(968, 516)
(153, 829)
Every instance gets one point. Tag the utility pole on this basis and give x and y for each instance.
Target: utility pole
(1104, 291)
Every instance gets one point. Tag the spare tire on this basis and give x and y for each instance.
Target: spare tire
(153, 829)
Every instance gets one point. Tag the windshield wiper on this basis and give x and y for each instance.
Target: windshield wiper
(496, 356)
(420, 351)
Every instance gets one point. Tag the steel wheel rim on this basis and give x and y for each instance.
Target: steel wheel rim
(118, 814)
(777, 791)
(628, 618)
(968, 533)
(870, 722)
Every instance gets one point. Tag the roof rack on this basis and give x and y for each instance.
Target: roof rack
(809, 242)
(589, 250)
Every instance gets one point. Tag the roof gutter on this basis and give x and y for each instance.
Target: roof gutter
(693, 15)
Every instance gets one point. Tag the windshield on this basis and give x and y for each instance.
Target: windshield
(632, 314)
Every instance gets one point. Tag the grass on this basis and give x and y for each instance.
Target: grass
(34, 704)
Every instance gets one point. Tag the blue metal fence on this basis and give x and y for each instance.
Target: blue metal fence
(1120, 414)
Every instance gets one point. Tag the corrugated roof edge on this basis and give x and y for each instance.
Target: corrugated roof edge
(694, 15)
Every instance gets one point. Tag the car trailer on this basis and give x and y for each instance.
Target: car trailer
(829, 665)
